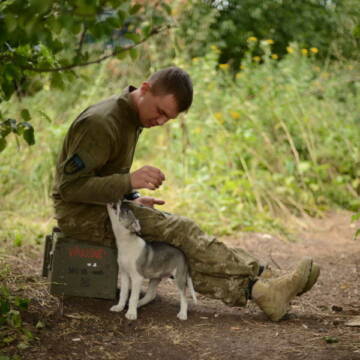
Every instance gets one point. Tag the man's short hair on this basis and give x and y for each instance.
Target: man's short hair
(175, 81)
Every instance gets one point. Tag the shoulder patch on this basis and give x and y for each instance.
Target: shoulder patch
(73, 165)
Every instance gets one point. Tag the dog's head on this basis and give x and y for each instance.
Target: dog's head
(124, 216)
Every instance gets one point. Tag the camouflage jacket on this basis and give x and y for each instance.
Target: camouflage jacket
(94, 163)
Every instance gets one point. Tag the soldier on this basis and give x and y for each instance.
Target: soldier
(93, 169)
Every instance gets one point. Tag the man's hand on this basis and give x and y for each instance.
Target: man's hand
(149, 201)
(147, 177)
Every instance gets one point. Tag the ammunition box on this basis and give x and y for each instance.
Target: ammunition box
(78, 268)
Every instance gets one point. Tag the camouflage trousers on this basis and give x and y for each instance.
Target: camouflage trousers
(217, 270)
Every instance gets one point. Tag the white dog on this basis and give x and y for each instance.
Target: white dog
(138, 260)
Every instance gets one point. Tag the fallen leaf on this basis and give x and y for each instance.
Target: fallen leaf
(331, 339)
(74, 316)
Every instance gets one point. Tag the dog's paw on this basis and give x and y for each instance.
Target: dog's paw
(117, 308)
(131, 315)
(182, 315)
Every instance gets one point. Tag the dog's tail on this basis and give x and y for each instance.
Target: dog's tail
(191, 288)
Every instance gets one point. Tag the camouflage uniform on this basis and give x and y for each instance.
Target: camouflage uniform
(93, 169)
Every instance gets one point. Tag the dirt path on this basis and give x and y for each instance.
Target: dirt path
(315, 328)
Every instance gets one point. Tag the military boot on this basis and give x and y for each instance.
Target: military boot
(313, 276)
(273, 295)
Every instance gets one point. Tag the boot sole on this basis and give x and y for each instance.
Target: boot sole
(313, 276)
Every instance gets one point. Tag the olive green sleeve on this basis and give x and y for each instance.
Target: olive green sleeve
(88, 148)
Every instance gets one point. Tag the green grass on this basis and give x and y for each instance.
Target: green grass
(277, 139)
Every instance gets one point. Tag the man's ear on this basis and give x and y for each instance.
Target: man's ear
(145, 87)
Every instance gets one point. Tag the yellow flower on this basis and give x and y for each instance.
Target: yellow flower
(214, 48)
(239, 75)
(197, 130)
(235, 115)
(314, 50)
(252, 39)
(224, 67)
(257, 58)
(195, 59)
(304, 51)
(274, 56)
(219, 117)
(242, 67)
(325, 75)
(289, 49)
(269, 41)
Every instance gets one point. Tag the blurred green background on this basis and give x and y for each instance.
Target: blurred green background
(273, 133)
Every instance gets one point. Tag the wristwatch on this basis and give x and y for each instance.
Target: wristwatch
(132, 196)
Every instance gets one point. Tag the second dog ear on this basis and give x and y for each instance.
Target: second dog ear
(135, 226)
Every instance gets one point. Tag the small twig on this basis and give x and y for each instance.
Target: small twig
(61, 305)
(273, 260)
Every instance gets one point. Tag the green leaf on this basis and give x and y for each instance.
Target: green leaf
(158, 20)
(21, 303)
(121, 16)
(133, 53)
(57, 81)
(9, 339)
(2, 144)
(28, 134)
(14, 318)
(121, 55)
(83, 8)
(355, 217)
(11, 22)
(134, 37)
(357, 234)
(356, 31)
(23, 346)
(25, 114)
(7, 126)
(135, 9)
(4, 291)
(76, 27)
(5, 4)
(28, 334)
(146, 29)
(331, 339)
(166, 7)
(4, 306)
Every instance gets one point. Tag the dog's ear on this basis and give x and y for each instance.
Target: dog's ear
(136, 226)
(119, 207)
(110, 207)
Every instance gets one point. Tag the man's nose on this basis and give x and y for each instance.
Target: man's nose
(162, 120)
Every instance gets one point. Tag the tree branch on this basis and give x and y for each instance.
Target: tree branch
(99, 60)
